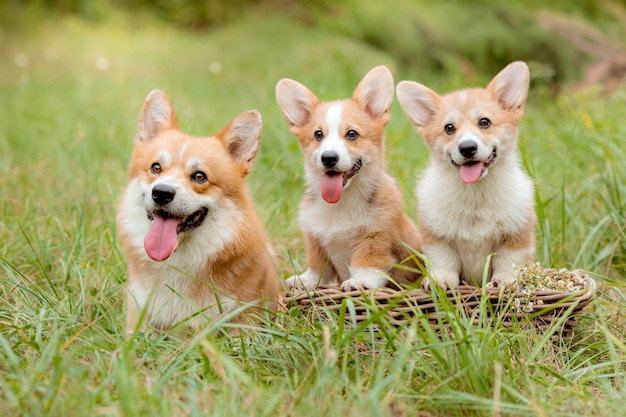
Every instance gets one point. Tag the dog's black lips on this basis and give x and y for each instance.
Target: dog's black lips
(491, 158)
(487, 161)
(192, 221)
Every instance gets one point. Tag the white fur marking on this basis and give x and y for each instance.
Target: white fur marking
(334, 140)
(193, 164)
(165, 159)
(308, 280)
(463, 96)
(364, 278)
(182, 150)
(500, 206)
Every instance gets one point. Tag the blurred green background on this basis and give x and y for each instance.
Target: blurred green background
(561, 38)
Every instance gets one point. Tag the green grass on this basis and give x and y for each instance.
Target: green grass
(66, 129)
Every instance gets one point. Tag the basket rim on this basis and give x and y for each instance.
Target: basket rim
(333, 292)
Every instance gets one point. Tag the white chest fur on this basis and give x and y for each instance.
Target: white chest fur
(338, 227)
(171, 296)
(473, 219)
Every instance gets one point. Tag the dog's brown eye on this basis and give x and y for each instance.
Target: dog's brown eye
(449, 129)
(484, 123)
(318, 135)
(155, 168)
(352, 135)
(198, 177)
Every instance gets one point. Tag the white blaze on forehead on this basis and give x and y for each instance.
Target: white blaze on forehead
(333, 119)
(181, 151)
(333, 123)
(334, 140)
(469, 136)
(463, 97)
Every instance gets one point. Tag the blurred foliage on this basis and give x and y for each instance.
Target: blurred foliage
(460, 37)
(480, 36)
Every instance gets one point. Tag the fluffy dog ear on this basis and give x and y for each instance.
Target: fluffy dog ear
(510, 86)
(418, 102)
(375, 93)
(296, 102)
(156, 116)
(241, 137)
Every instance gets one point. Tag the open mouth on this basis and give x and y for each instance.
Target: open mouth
(472, 171)
(351, 172)
(162, 238)
(334, 181)
(192, 221)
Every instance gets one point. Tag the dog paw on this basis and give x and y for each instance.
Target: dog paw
(503, 280)
(447, 281)
(351, 284)
(364, 279)
(306, 281)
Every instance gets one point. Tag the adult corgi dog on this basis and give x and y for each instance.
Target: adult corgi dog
(474, 200)
(352, 214)
(195, 245)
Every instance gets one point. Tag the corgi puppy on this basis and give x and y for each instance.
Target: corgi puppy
(352, 213)
(474, 200)
(195, 245)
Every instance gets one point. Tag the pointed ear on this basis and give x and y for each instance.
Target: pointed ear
(156, 116)
(510, 86)
(375, 93)
(296, 102)
(241, 138)
(418, 102)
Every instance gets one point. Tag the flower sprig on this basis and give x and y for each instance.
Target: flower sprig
(533, 278)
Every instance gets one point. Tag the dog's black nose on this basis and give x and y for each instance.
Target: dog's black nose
(330, 158)
(163, 194)
(468, 148)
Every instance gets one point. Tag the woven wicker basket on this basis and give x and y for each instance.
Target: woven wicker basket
(538, 309)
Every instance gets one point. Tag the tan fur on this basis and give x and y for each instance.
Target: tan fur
(357, 240)
(219, 265)
(467, 214)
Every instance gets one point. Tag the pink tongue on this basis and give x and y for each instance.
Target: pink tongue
(470, 173)
(332, 184)
(161, 240)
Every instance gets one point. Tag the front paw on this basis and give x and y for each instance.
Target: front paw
(503, 280)
(445, 280)
(363, 279)
(305, 281)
